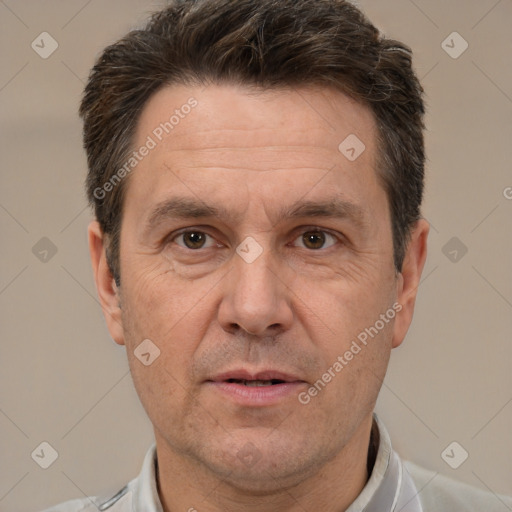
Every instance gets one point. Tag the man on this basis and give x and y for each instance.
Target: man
(256, 170)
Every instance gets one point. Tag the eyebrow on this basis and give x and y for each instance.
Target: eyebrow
(182, 208)
(190, 208)
(335, 207)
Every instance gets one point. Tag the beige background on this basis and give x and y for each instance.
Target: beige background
(64, 381)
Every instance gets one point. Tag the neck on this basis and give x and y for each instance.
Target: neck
(187, 484)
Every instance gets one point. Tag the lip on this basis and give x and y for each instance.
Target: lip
(242, 374)
(259, 396)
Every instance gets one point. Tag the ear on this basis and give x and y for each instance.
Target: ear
(409, 279)
(108, 292)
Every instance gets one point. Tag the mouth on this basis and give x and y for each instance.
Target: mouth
(256, 388)
(255, 383)
(256, 379)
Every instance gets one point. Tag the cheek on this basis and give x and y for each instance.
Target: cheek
(163, 391)
(346, 300)
(342, 318)
(158, 310)
(159, 300)
(354, 362)
(171, 312)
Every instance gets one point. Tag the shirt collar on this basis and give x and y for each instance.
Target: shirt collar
(145, 491)
(389, 488)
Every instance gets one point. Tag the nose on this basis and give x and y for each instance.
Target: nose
(255, 298)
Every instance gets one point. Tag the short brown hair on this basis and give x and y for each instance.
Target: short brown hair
(267, 44)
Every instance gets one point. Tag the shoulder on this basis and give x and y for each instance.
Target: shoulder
(439, 493)
(142, 489)
(120, 501)
(78, 505)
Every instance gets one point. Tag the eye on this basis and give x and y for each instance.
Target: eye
(315, 240)
(194, 240)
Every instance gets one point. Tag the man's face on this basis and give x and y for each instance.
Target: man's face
(283, 305)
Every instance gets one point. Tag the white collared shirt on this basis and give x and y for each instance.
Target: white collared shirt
(393, 486)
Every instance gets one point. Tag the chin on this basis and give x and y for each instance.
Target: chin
(267, 469)
(262, 480)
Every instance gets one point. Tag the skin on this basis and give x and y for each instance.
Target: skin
(296, 308)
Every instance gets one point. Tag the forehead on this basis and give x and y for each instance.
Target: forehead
(318, 116)
(219, 141)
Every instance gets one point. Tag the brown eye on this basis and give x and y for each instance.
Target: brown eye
(194, 240)
(313, 239)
